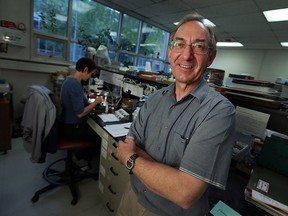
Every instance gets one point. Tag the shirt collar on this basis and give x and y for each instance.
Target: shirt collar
(200, 92)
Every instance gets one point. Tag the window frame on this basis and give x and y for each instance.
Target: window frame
(68, 40)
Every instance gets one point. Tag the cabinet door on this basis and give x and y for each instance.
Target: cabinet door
(110, 194)
(113, 176)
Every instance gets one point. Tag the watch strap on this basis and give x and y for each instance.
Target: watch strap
(132, 159)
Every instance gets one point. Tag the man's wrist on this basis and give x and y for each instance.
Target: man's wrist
(130, 162)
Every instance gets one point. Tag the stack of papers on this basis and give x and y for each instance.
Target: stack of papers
(118, 130)
(108, 117)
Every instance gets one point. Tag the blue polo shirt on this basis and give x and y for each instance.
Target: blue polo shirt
(195, 135)
(73, 101)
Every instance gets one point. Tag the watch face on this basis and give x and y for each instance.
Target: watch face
(129, 163)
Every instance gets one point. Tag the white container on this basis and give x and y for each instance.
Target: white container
(148, 66)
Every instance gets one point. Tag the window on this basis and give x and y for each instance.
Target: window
(51, 16)
(50, 47)
(127, 59)
(129, 33)
(50, 22)
(155, 65)
(63, 29)
(76, 51)
(153, 41)
(91, 18)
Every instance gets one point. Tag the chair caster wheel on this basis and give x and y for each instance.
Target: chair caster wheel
(35, 198)
(74, 201)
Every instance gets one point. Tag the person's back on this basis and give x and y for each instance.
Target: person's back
(73, 101)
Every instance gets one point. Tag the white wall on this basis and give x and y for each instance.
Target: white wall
(19, 81)
(274, 65)
(262, 64)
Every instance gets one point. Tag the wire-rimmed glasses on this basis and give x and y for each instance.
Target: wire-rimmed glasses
(197, 47)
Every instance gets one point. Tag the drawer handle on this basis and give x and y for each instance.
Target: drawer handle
(114, 156)
(110, 188)
(109, 208)
(115, 145)
(114, 173)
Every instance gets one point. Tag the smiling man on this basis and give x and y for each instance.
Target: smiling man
(181, 142)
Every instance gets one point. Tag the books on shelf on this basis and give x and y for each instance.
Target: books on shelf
(269, 190)
(268, 208)
(267, 187)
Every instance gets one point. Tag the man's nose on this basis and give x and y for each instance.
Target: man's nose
(188, 52)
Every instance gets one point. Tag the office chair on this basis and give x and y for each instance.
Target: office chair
(41, 135)
(69, 175)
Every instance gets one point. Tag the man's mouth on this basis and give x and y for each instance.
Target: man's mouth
(186, 66)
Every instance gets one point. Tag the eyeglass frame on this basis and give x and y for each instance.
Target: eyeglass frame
(192, 46)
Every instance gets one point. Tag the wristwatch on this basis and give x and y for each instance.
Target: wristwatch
(130, 162)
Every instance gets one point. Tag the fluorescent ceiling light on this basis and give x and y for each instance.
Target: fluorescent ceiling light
(284, 44)
(229, 44)
(276, 15)
(206, 22)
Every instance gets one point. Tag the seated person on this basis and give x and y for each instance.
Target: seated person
(75, 107)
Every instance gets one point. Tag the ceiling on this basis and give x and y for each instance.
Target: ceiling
(235, 20)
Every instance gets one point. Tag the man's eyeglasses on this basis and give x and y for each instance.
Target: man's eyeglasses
(197, 47)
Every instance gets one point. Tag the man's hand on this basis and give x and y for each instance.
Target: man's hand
(125, 149)
(98, 100)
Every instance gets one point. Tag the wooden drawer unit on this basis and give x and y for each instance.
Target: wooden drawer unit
(113, 177)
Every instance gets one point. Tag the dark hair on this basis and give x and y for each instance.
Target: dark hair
(85, 62)
(196, 17)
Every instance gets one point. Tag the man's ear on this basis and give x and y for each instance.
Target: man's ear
(211, 58)
(86, 70)
(169, 53)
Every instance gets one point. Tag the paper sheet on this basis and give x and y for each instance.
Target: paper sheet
(118, 130)
(108, 117)
(251, 122)
(262, 198)
(221, 209)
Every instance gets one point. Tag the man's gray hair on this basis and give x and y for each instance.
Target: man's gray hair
(196, 17)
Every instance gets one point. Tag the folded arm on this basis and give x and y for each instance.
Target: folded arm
(163, 180)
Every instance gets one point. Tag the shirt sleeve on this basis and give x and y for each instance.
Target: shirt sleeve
(208, 154)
